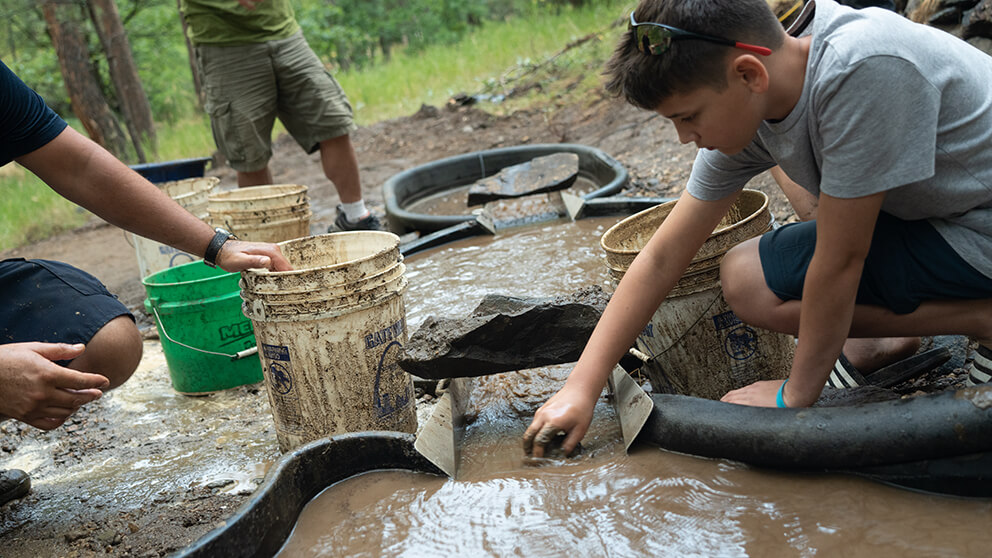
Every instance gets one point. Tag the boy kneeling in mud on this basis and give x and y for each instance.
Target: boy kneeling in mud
(886, 122)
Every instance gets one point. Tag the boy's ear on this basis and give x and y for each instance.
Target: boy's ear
(751, 72)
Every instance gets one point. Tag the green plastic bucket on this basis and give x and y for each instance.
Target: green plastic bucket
(208, 342)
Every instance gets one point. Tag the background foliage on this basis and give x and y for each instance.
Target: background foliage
(433, 49)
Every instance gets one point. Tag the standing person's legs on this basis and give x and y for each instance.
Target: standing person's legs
(241, 98)
(316, 112)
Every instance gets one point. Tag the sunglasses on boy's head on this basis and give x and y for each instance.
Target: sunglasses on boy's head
(656, 38)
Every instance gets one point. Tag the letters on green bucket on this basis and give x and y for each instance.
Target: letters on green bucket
(197, 311)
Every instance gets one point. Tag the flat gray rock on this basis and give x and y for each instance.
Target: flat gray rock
(539, 175)
(505, 333)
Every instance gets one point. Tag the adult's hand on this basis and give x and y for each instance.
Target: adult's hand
(568, 412)
(238, 255)
(36, 391)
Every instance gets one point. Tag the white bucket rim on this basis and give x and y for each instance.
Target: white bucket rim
(360, 285)
(325, 313)
(264, 192)
(266, 275)
(640, 214)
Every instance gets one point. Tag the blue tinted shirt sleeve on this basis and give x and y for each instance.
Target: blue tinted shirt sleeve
(26, 122)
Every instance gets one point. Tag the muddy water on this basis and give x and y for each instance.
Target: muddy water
(534, 261)
(605, 503)
(455, 201)
(602, 502)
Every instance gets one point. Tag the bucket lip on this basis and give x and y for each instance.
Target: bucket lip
(388, 296)
(267, 191)
(627, 220)
(147, 283)
(361, 284)
(393, 245)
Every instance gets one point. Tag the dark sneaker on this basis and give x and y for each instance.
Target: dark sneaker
(14, 483)
(369, 223)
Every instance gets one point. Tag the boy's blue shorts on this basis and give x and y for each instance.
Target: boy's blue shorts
(52, 302)
(908, 263)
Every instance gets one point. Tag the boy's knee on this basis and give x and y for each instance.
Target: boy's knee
(735, 271)
(114, 351)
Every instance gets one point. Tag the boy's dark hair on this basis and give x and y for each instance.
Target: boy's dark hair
(645, 80)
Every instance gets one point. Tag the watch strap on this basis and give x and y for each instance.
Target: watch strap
(216, 243)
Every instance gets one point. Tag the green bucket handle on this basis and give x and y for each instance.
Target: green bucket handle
(236, 356)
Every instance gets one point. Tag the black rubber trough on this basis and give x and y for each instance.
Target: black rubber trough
(454, 172)
(262, 525)
(936, 443)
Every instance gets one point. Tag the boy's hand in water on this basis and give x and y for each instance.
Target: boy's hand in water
(566, 412)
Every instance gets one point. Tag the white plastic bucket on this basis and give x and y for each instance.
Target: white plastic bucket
(270, 213)
(697, 345)
(329, 355)
(192, 194)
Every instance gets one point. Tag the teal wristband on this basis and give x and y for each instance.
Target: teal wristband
(779, 400)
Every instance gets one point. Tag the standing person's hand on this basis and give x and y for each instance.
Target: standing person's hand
(36, 391)
(570, 412)
(238, 255)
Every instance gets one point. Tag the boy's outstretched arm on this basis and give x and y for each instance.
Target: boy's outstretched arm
(844, 229)
(645, 285)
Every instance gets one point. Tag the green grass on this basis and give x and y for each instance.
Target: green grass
(30, 210)
(473, 65)
(490, 60)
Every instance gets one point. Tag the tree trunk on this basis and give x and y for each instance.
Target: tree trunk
(124, 74)
(88, 102)
(194, 68)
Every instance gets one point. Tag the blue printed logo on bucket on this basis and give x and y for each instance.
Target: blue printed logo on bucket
(280, 375)
(388, 403)
(741, 341)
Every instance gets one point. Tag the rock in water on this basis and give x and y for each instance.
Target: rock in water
(505, 333)
(537, 176)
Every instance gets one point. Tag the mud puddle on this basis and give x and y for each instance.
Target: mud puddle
(606, 503)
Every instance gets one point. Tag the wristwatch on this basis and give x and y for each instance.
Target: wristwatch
(213, 249)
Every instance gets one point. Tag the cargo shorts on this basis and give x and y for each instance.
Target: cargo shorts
(248, 86)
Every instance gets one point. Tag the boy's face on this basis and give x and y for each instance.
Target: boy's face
(724, 120)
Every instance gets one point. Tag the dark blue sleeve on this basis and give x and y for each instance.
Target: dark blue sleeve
(26, 122)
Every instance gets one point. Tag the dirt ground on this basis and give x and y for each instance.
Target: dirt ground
(124, 435)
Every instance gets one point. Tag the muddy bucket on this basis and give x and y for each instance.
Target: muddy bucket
(329, 350)
(697, 344)
(207, 341)
(328, 260)
(271, 213)
(191, 193)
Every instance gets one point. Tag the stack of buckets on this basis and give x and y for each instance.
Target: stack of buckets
(271, 213)
(329, 335)
(192, 194)
(697, 345)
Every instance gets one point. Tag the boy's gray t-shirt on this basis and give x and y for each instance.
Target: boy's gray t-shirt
(887, 105)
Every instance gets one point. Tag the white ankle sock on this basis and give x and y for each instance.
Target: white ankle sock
(354, 211)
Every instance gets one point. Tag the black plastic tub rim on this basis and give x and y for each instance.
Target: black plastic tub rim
(461, 170)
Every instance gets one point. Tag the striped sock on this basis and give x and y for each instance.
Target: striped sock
(845, 375)
(980, 371)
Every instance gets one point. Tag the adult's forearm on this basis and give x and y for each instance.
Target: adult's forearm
(88, 175)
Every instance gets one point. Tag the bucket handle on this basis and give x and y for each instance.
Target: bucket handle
(236, 356)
